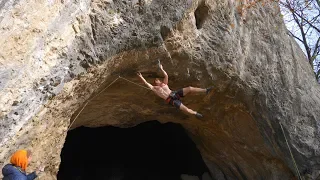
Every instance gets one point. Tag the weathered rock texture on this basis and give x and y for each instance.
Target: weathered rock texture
(56, 55)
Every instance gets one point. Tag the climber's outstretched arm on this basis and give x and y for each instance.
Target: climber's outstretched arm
(165, 79)
(145, 82)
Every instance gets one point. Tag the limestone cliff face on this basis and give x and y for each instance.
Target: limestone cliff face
(56, 55)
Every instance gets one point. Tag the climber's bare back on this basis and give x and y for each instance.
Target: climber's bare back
(162, 91)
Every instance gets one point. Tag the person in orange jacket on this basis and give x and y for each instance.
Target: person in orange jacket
(17, 169)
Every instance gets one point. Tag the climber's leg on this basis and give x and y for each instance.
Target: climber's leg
(190, 111)
(190, 89)
(186, 109)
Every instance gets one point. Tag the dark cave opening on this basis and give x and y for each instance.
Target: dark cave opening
(148, 151)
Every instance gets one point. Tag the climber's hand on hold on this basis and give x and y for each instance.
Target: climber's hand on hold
(139, 74)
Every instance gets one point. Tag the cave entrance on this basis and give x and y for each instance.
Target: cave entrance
(150, 150)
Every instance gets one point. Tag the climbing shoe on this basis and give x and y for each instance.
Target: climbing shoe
(199, 116)
(209, 89)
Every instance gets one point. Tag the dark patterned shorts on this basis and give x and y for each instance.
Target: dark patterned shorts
(174, 98)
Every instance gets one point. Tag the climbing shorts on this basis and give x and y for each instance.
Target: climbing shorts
(174, 98)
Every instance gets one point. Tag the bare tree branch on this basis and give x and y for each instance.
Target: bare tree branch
(294, 10)
(314, 19)
(316, 48)
(304, 18)
(318, 75)
(309, 27)
(304, 39)
(291, 34)
(310, 24)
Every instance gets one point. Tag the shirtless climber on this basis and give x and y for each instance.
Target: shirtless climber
(173, 97)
